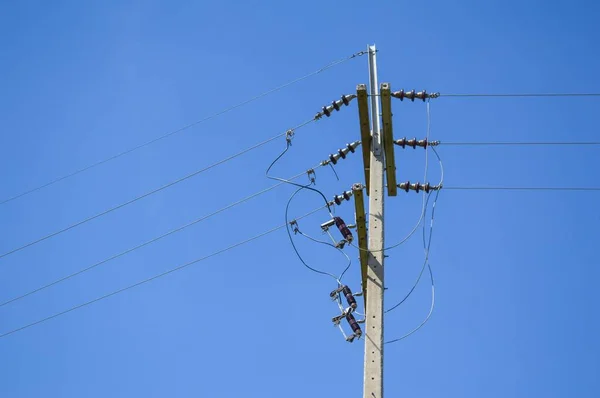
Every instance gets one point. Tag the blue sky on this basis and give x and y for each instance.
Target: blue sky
(515, 271)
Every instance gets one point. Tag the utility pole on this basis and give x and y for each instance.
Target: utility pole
(377, 142)
(373, 366)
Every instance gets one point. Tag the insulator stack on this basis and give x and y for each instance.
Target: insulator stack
(357, 332)
(338, 199)
(341, 153)
(413, 143)
(335, 105)
(417, 186)
(349, 297)
(411, 95)
(345, 231)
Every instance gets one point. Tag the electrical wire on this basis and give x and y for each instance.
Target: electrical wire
(415, 284)
(520, 143)
(524, 95)
(289, 137)
(425, 195)
(333, 246)
(437, 155)
(334, 172)
(105, 212)
(128, 151)
(426, 248)
(524, 188)
(146, 243)
(157, 276)
(403, 240)
(428, 314)
(287, 207)
(427, 136)
(423, 209)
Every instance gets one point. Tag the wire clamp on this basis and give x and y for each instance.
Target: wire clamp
(288, 136)
(341, 244)
(360, 53)
(312, 176)
(294, 225)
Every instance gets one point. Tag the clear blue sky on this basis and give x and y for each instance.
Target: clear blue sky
(515, 272)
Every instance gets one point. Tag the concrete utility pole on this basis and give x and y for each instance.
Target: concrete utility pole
(373, 367)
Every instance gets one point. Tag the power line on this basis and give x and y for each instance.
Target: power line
(157, 276)
(426, 247)
(148, 242)
(297, 230)
(150, 192)
(520, 143)
(523, 188)
(523, 95)
(162, 137)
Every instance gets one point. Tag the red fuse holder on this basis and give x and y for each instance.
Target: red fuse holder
(349, 297)
(345, 231)
(357, 332)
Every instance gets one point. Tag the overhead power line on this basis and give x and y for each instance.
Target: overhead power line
(157, 276)
(148, 242)
(522, 95)
(523, 188)
(581, 143)
(169, 134)
(105, 212)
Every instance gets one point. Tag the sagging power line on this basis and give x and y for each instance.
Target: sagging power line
(169, 134)
(152, 278)
(521, 95)
(152, 192)
(507, 188)
(516, 143)
(148, 242)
